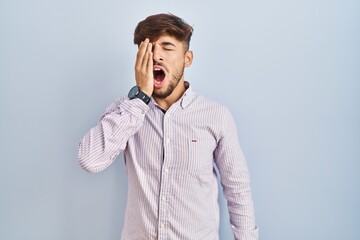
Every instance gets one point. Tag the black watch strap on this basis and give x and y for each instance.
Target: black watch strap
(143, 97)
(135, 92)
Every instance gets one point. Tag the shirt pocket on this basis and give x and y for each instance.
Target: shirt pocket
(200, 156)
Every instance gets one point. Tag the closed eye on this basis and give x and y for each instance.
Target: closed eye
(168, 46)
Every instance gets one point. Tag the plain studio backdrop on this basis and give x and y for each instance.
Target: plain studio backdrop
(289, 71)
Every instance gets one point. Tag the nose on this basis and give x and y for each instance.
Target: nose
(157, 56)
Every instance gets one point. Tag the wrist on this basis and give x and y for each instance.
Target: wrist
(147, 92)
(145, 88)
(136, 92)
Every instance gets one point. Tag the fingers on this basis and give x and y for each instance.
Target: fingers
(144, 59)
(141, 55)
(144, 67)
(148, 64)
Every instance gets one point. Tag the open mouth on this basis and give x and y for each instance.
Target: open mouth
(159, 76)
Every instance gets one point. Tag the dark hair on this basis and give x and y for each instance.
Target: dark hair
(157, 25)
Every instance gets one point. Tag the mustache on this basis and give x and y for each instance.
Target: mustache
(160, 64)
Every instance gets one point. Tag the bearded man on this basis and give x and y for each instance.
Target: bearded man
(172, 139)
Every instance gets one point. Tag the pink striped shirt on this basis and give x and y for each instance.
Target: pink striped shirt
(170, 159)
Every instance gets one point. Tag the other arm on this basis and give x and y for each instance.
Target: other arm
(235, 181)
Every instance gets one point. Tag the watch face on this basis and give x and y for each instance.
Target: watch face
(134, 91)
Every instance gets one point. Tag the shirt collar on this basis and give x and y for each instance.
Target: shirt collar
(187, 97)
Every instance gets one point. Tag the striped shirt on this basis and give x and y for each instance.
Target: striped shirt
(170, 158)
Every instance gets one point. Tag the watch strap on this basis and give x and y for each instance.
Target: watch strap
(143, 96)
(135, 92)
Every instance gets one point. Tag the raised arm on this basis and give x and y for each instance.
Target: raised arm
(103, 143)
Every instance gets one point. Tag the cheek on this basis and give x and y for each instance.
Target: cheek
(175, 63)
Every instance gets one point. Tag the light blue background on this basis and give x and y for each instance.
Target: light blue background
(288, 70)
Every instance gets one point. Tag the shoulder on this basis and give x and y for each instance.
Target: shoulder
(214, 115)
(210, 112)
(211, 105)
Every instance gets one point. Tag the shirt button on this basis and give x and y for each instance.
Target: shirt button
(162, 225)
(166, 169)
(163, 198)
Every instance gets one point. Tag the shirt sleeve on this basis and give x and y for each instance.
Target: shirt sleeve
(235, 181)
(103, 143)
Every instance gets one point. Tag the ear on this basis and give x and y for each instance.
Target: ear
(188, 58)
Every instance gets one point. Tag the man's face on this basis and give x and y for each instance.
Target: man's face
(170, 58)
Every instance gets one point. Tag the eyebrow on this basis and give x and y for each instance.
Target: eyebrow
(166, 44)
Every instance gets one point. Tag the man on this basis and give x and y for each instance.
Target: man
(171, 138)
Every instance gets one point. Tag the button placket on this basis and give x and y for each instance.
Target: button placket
(165, 178)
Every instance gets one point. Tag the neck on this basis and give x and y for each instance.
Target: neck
(166, 103)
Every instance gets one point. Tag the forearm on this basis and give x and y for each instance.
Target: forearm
(103, 143)
(237, 191)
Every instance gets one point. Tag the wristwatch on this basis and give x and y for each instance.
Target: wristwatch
(135, 92)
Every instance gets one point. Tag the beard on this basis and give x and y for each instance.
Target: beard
(173, 82)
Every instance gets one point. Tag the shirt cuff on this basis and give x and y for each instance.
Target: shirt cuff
(246, 234)
(136, 107)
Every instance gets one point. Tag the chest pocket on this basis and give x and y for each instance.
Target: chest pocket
(199, 158)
